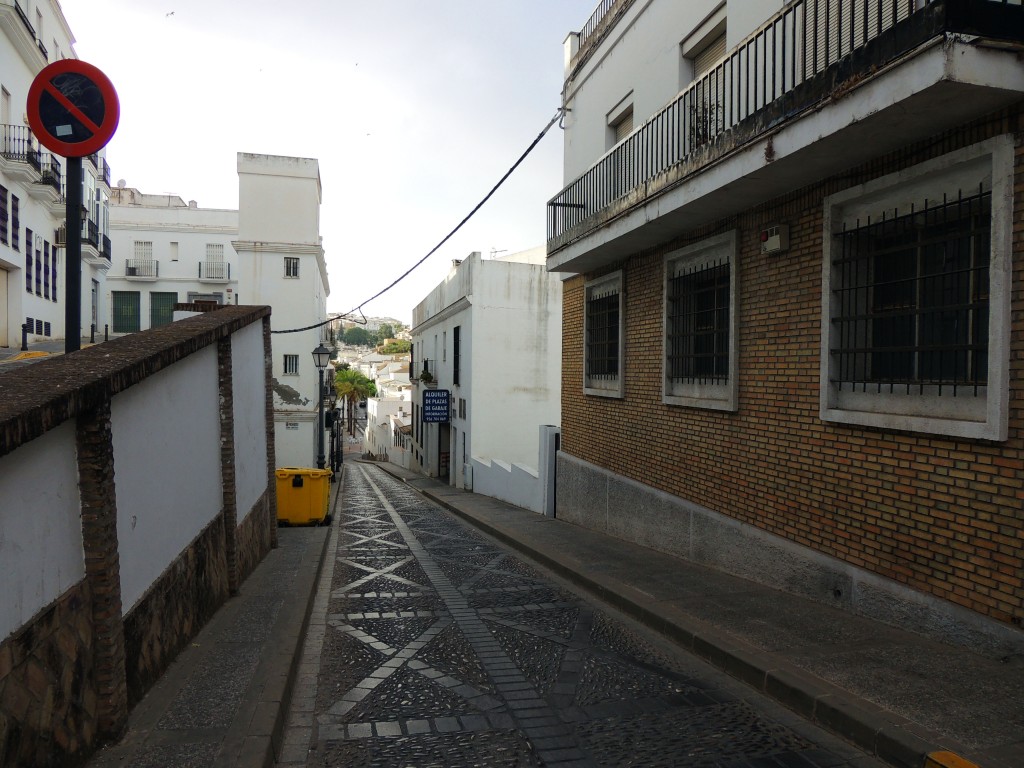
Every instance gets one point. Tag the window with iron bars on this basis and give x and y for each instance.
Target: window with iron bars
(913, 299)
(917, 295)
(700, 324)
(603, 334)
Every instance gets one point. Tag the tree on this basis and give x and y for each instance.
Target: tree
(352, 387)
(385, 332)
(397, 347)
(358, 336)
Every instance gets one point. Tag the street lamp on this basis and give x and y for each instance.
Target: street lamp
(321, 356)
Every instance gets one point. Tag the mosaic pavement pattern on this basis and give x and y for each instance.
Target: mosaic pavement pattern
(431, 645)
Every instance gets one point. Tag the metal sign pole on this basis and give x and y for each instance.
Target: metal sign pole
(73, 256)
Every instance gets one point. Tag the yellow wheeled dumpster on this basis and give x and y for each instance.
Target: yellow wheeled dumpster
(303, 495)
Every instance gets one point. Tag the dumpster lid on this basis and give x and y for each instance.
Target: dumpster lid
(304, 471)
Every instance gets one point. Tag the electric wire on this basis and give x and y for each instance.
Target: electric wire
(509, 172)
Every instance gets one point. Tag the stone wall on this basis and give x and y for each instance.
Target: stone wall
(175, 609)
(48, 702)
(69, 676)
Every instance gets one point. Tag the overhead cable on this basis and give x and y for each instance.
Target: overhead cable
(358, 308)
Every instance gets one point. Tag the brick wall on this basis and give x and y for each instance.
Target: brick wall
(940, 515)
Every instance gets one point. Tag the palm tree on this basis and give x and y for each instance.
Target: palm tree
(353, 387)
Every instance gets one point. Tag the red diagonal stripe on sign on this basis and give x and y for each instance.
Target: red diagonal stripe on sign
(75, 111)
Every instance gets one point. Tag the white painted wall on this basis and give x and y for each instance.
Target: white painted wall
(41, 554)
(249, 395)
(179, 234)
(20, 61)
(509, 311)
(279, 218)
(166, 434)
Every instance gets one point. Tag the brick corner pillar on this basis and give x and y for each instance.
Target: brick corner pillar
(268, 364)
(229, 504)
(102, 567)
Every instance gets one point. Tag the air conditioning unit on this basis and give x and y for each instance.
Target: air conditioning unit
(61, 236)
(131, 271)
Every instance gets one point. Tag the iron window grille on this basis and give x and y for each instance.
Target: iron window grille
(4, 215)
(698, 324)
(15, 221)
(913, 299)
(291, 266)
(603, 334)
(456, 354)
(291, 365)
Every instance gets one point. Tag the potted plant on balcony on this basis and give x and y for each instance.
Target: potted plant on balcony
(427, 378)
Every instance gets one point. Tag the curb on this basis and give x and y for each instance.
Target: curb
(885, 735)
(279, 696)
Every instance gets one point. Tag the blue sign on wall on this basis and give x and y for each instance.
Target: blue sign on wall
(436, 405)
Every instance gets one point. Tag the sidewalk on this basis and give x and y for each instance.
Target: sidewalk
(895, 694)
(224, 701)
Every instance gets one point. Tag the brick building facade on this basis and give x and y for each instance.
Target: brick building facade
(810, 411)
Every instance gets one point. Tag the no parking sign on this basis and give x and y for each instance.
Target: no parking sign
(72, 108)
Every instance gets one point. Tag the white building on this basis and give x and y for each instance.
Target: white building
(489, 336)
(281, 263)
(169, 251)
(389, 413)
(269, 252)
(32, 207)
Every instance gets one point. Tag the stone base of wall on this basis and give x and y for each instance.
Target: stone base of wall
(48, 705)
(596, 498)
(174, 609)
(255, 534)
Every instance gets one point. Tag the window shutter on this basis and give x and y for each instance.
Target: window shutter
(710, 56)
(624, 127)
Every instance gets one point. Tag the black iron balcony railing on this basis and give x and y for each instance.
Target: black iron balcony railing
(104, 171)
(51, 173)
(20, 145)
(141, 268)
(24, 18)
(42, 49)
(105, 247)
(595, 20)
(90, 233)
(784, 64)
(214, 270)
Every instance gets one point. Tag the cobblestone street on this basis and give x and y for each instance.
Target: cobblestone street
(430, 645)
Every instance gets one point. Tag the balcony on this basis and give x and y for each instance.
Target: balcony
(104, 172)
(19, 154)
(141, 269)
(214, 272)
(425, 375)
(48, 188)
(820, 87)
(19, 30)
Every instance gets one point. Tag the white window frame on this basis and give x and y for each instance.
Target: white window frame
(696, 394)
(291, 365)
(611, 387)
(289, 263)
(986, 415)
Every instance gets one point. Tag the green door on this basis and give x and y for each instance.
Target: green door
(125, 311)
(161, 308)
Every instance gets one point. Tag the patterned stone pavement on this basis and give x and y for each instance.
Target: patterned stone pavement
(430, 645)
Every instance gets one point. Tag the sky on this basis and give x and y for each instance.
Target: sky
(413, 109)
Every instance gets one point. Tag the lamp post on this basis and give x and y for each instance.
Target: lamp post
(321, 356)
